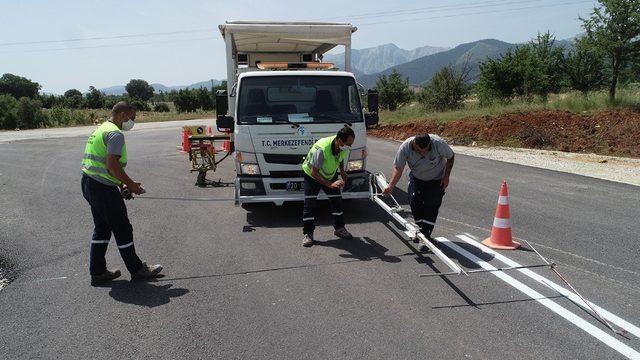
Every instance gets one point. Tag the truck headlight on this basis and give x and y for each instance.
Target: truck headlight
(357, 159)
(355, 165)
(248, 163)
(250, 169)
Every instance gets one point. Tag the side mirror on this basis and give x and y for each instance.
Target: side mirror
(371, 116)
(224, 123)
(222, 103)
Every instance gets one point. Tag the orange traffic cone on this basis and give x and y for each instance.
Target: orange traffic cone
(501, 230)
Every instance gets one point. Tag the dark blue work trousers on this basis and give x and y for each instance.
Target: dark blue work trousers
(109, 216)
(311, 189)
(425, 198)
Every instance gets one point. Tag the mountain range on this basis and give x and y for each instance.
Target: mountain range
(422, 69)
(120, 89)
(375, 59)
(419, 65)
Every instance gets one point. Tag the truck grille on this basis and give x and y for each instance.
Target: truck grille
(283, 159)
(286, 174)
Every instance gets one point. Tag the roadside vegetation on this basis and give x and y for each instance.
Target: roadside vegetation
(593, 85)
(23, 106)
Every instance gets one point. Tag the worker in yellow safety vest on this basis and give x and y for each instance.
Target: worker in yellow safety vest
(103, 183)
(321, 167)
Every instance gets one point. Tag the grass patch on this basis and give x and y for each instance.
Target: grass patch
(575, 102)
(79, 117)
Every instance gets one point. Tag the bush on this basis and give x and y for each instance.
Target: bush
(59, 116)
(30, 115)
(109, 102)
(186, 101)
(161, 107)
(140, 105)
(8, 112)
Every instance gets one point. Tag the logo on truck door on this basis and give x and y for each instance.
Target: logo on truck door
(303, 132)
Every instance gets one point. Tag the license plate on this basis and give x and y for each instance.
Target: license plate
(294, 185)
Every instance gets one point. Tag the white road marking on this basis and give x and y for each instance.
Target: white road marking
(546, 247)
(51, 279)
(597, 333)
(550, 284)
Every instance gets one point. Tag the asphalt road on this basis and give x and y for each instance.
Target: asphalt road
(238, 284)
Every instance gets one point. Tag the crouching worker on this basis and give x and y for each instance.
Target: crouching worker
(103, 178)
(321, 167)
(430, 161)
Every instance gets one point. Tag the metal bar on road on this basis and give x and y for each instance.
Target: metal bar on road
(382, 183)
(491, 270)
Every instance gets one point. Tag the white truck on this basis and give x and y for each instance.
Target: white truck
(281, 98)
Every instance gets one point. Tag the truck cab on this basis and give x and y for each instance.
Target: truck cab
(281, 98)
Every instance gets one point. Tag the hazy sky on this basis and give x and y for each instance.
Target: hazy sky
(193, 49)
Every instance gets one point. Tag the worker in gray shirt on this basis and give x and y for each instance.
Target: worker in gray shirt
(430, 161)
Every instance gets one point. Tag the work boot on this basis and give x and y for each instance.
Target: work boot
(146, 272)
(104, 277)
(343, 233)
(307, 240)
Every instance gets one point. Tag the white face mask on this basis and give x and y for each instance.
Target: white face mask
(345, 147)
(128, 125)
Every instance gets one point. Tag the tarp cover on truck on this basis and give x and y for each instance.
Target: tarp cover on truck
(251, 37)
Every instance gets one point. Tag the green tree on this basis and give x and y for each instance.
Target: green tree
(186, 101)
(499, 79)
(73, 99)
(49, 100)
(532, 69)
(584, 66)
(446, 90)
(94, 99)
(393, 91)
(548, 60)
(205, 99)
(614, 28)
(8, 112)
(18, 86)
(139, 89)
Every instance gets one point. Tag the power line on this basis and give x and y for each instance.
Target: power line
(399, 12)
(476, 13)
(440, 8)
(108, 46)
(105, 37)
(369, 15)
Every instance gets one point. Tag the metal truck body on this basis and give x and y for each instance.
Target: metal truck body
(281, 99)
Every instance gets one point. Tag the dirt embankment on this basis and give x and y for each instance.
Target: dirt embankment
(614, 132)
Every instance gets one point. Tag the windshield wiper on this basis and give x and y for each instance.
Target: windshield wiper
(332, 117)
(296, 125)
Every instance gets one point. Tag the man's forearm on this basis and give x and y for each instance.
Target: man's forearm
(316, 175)
(447, 170)
(117, 171)
(395, 176)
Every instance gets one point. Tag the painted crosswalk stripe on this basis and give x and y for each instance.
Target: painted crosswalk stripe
(594, 331)
(632, 329)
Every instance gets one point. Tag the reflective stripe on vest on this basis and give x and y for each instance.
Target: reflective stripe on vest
(330, 163)
(94, 161)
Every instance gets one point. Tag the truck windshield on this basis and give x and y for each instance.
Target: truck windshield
(298, 99)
